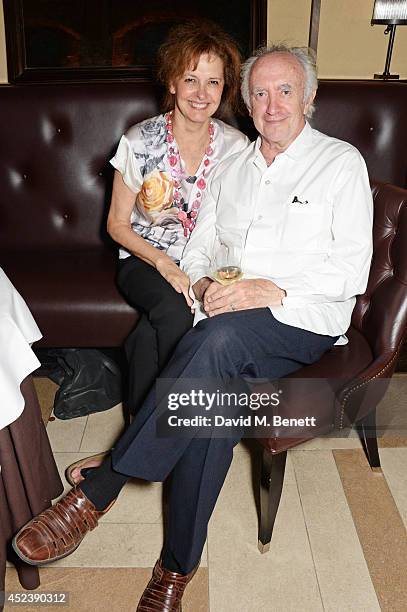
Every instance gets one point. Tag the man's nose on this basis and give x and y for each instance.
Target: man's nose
(272, 104)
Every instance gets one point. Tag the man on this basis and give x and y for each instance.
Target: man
(301, 202)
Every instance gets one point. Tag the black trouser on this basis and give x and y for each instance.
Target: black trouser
(164, 318)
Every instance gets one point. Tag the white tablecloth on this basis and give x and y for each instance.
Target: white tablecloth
(17, 331)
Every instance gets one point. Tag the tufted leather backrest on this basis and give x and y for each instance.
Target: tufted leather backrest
(54, 149)
(381, 313)
(371, 115)
(56, 141)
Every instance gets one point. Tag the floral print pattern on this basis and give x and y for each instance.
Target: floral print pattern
(156, 192)
(143, 160)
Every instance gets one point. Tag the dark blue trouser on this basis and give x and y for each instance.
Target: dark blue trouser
(249, 343)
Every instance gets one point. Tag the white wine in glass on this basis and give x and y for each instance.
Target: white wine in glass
(226, 261)
(226, 275)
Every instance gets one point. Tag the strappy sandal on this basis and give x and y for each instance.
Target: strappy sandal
(58, 531)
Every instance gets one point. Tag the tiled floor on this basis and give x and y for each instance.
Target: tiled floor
(339, 542)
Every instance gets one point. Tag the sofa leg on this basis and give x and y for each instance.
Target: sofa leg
(366, 429)
(271, 485)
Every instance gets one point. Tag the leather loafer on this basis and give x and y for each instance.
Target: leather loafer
(164, 591)
(58, 531)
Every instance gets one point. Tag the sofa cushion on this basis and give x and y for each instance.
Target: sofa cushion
(73, 295)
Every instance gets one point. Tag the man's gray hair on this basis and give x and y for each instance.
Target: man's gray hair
(304, 55)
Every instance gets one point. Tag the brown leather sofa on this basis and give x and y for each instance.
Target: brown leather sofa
(55, 180)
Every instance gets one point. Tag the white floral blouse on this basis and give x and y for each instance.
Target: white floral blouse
(142, 159)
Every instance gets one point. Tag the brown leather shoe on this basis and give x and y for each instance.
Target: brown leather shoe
(58, 531)
(164, 591)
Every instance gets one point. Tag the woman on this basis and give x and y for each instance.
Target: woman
(163, 166)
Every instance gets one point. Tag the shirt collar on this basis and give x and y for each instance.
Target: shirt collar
(295, 150)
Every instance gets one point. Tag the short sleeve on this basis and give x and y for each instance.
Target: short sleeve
(125, 162)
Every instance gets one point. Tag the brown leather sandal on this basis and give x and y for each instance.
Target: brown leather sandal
(58, 531)
(165, 590)
(81, 463)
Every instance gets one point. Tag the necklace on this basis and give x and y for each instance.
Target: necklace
(187, 218)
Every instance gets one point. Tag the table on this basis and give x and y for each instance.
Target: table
(17, 331)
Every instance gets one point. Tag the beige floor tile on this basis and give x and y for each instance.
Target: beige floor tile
(102, 430)
(240, 578)
(394, 465)
(117, 545)
(139, 501)
(250, 452)
(326, 443)
(343, 575)
(120, 545)
(241, 447)
(66, 435)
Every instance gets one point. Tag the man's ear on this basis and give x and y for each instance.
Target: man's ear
(309, 101)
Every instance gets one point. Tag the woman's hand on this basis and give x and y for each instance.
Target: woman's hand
(119, 227)
(173, 275)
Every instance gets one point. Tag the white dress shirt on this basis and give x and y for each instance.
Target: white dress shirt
(305, 222)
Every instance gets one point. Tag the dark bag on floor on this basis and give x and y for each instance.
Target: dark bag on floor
(91, 383)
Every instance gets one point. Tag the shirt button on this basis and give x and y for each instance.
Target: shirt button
(268, 182)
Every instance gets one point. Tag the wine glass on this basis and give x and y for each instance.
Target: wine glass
(226, 260)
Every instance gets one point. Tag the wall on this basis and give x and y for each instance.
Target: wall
(289, 21)
(363, 51)
(349, 47)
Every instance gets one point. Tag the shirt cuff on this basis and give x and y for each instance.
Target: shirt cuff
(195, 276)
(191, 293)
(292, 301)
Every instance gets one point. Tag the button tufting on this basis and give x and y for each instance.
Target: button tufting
(371, 128)
(59, 130)
(100, 173)
(25, 176)
(66, 216)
